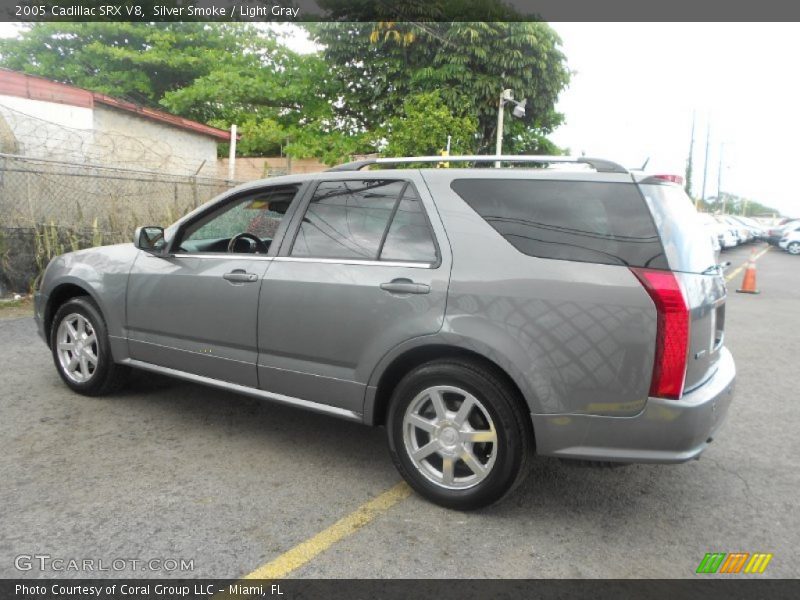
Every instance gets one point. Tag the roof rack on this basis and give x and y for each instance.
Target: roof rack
(598, 164)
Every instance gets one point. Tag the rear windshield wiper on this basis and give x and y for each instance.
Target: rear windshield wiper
(717, 268)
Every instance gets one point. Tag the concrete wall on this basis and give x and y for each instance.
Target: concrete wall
(133, 142)
(102, 135)
(259, 167)
(46, 129)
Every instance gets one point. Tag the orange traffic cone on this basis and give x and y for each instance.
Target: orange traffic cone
(749, 279)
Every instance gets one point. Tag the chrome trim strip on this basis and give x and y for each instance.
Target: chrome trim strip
(354, 261)
(328, 261)
(136, 340)
(229, 255)
(247, 391)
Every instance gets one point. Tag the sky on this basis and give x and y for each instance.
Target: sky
(636, 86)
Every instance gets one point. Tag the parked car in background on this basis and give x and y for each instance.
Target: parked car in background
(715, 244)
(791, 239)
(745, 235)
(475, 313)
(774, 234)
(756, 231)
(733, 230)
(721, 238)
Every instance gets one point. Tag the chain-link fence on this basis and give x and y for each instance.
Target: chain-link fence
(49, 207)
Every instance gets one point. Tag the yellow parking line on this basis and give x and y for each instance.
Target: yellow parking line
(302, 553)
(744, 264)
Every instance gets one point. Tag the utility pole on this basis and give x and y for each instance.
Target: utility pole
(506, 96)
(690, 162)
(498, 147)
(719, 176)
(705, 162)
(232, 155)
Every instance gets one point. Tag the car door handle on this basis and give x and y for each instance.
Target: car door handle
(240, 276)
(405, 286)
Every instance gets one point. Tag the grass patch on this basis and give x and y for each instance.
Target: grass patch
(11, 308)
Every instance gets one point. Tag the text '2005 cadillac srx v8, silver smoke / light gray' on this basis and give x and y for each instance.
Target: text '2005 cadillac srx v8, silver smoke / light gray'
(476, 313)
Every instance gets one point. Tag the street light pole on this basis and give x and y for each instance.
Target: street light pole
(498, 147)
(506, 96)
(705, 161)
(719, 176)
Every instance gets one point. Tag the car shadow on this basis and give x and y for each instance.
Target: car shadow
(190, 409)
(552, 484)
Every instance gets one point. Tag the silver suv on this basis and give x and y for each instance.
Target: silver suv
(476, 313)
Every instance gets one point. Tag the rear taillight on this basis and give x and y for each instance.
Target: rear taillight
(672, 336)
(671, 178)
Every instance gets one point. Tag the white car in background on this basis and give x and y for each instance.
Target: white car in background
(724, 234)
(715, 231)
(744, 233)
(755, 228)
(791, 239)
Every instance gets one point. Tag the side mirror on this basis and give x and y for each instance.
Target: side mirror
(150, 239)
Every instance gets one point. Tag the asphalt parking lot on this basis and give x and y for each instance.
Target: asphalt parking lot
(173, 470)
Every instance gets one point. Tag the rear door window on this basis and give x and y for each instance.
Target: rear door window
(409, 236)
(368, 219)
(596, 222)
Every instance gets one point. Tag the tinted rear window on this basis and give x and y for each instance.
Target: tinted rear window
(607, 223)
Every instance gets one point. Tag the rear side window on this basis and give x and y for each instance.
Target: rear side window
(366, 220)
(687, 246)
(606, 223)
(409, 236)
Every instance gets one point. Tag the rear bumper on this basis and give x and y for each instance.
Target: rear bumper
(666, 431)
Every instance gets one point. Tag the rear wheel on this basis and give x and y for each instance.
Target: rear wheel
(457, 434)
(81, 351)
(793, 248)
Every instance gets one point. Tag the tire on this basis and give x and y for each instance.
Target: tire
(793, 248)
(76, 321)
(445, 470)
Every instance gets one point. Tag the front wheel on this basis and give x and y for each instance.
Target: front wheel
(793, 248)
(81, 351)
(457, 434)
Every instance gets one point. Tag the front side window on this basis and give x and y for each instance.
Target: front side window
(371, 219)
(253, 218)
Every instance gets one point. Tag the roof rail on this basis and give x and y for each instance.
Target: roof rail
(598, 164)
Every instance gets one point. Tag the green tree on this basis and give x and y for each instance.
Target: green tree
(378, 65)
(734, 204)
(137, 61)
(215, 73)
(347, 99)
(423, 126)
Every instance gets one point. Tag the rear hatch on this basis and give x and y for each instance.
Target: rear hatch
(691, 258)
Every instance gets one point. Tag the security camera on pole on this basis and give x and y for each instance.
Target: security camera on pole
(518, 111)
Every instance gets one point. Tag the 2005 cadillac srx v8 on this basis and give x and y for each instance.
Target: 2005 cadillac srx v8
(477, 313)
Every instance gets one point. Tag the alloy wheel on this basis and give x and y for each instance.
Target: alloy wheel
(450, 437)
(78, 353)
